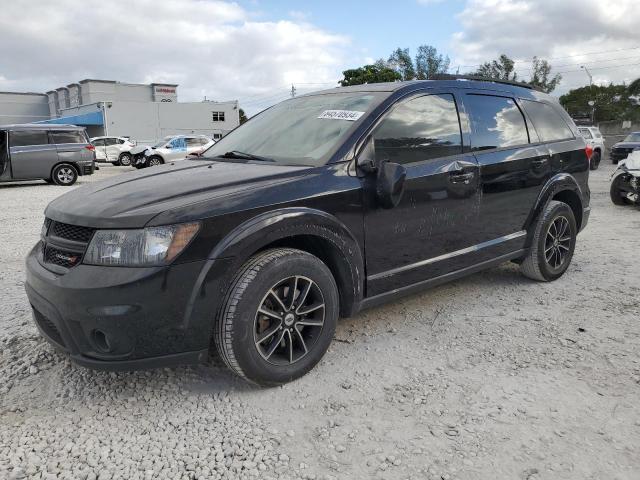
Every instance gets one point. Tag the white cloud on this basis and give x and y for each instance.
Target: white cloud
(211, 48)
(568, 32)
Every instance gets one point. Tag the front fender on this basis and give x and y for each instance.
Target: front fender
(254, 234)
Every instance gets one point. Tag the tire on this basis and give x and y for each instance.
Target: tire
(614, 192)
(268, 361)
(594, 162)
(64, 174)
(124, 159)
(154, 161)
(547, 258)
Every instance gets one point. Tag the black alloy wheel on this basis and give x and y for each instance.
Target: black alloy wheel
(289, 320)
(558, 243)
(278, 317)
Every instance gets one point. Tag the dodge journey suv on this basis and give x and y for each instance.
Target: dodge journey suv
(316, 208)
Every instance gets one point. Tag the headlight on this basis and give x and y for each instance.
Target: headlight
(135, 248)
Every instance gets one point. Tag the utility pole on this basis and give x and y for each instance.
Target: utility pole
(588, 73)
(293, 91)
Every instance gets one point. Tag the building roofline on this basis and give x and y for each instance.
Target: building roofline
(23, 93)
(86, 80)
(162, 84)
(39, 126)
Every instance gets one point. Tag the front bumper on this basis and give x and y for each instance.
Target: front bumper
(119, 318)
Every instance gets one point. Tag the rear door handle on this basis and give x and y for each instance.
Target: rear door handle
(457, 177)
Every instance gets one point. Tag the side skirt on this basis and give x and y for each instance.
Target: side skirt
(432, 282)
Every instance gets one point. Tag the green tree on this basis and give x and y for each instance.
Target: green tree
(430, 63)
(500, 69)
(611, 102)
(369, 74)
(634, 87)
(400, 61)
(541, 77)
(243, 116)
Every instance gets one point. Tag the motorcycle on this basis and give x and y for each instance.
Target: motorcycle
(625, 181)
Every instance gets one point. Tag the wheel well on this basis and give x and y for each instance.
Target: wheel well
(158, 157)
(331, 255)
(597, 149)
(572, 199)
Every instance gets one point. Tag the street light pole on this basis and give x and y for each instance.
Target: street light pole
(588, 73)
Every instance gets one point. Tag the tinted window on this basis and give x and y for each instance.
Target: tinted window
(193, 142)
(497, 122)
(22, 139)
(419, 129)
(68, 137)
(98, 143)
(547, 122)
(110, 141)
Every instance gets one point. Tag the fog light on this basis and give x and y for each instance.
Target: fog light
(101, 341)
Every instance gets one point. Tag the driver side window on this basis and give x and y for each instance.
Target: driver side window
(419, 129)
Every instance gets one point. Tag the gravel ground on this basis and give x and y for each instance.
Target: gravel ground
(490, 377)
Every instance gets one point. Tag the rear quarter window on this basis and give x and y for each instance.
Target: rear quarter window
(496, 122)
(74, 136)
(27, 138)
(550, 126)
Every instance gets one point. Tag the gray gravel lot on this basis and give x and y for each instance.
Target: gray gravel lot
(490, 377)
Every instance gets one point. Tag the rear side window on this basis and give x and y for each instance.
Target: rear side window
(585, 132)
(497, 122)
(193, 142)
(27, 138)
(547, 122)
(419, 129)
(74, 136)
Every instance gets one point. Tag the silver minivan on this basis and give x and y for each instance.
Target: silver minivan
(55, 153)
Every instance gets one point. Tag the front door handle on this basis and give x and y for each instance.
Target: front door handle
(457, 177)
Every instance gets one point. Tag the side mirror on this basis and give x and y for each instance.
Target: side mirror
(390, 184)
(168, 145)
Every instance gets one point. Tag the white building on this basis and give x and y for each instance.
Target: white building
(144, 112)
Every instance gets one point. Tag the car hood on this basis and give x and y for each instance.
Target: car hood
(626, 145)
(131, 200)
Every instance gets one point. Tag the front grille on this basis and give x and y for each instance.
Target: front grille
(48, 327)
(61, 258)
(71, 232)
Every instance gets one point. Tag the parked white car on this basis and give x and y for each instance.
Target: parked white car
(595, 139)
(172, 148)
(116, 150)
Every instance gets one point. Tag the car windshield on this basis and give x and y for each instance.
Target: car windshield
(300, 131)
(634, 137)
(162, 142)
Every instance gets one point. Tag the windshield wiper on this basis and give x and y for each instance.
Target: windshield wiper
(248, 156)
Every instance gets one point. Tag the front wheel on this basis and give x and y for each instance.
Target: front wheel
(553, 244)
(155, 161)
(278, 318)
(617, 194)
(64, 174)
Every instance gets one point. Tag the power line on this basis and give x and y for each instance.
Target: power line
(554, 58)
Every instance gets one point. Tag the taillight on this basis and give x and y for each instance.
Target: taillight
(589, 151)
(90, 147)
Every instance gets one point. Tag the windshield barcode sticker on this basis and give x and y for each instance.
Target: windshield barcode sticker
(349, 115)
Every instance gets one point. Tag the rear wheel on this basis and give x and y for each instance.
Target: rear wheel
(64, 174)
(595, 160)
(554, 241)
(278, 318)
(125, 159)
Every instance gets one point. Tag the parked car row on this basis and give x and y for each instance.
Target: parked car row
(595, 140)
(55, 153)
(169, 149)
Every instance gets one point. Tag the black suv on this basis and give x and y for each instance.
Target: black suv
(316, 208)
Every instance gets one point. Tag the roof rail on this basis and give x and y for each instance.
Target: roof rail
(447, 76)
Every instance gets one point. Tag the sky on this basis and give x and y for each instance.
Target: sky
(254, 50)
